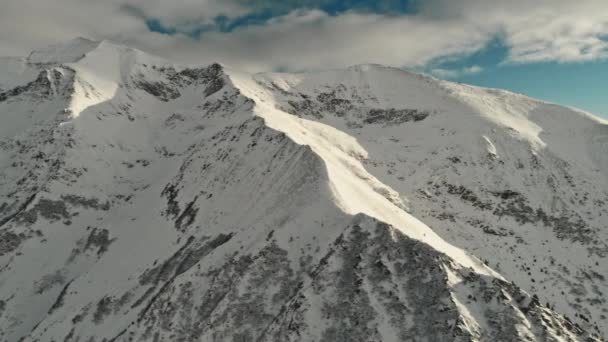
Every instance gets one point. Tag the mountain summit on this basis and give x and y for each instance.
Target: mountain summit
(141, 200)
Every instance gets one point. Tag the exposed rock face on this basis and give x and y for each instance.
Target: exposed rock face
(143, 201)
(374, 284)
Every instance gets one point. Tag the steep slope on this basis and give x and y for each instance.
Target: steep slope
(146, 201)
(518, 182)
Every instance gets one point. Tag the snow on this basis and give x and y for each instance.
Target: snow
(68, 52)
(355, 190)
(490, 147)
(286, 186)
(504, 108)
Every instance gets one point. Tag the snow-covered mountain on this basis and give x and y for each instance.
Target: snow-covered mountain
(142, 200)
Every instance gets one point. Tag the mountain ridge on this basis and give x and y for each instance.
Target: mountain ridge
(334, 141)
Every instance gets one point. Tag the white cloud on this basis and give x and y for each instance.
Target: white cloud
(535, 31)
(540, 30)
(186, 15)
(315, 40)
(455, 73)
(27, 24)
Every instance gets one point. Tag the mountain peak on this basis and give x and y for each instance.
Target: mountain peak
(68, 52)
(72, 51)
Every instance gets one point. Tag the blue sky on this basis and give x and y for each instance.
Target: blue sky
(555, 50)
(261, 11)
(580, 84)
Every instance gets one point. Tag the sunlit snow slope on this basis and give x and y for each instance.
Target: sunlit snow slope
(146, 201)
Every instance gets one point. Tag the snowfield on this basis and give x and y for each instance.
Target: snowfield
(142, 200)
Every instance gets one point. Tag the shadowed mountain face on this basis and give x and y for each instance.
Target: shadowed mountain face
(146, 201)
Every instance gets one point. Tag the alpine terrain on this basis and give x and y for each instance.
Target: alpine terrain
(141, 200)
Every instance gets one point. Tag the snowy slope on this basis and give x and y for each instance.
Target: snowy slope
(518, 182)
(146, 201)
